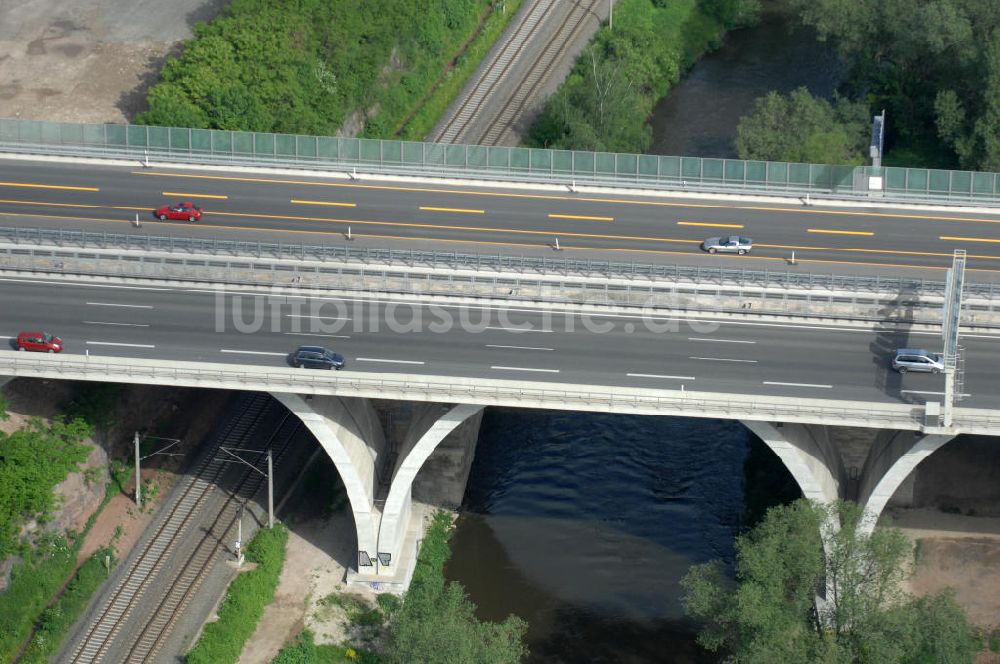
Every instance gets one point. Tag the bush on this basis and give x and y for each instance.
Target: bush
(95, 404)
(33, 583)
(604, 103)
(57, 620)
(305, 66)
(437, 622)
(222, 641)
(33, 460)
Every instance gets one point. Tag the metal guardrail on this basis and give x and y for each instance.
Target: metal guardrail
(651, 297)
(210, 146)
(447, 389)
(488, 262)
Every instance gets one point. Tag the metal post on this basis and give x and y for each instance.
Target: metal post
(138, 485)
(611, 14)
(239, 537)
(270, 490)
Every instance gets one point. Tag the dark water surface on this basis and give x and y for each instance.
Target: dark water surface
(698, 117)
(583, 525)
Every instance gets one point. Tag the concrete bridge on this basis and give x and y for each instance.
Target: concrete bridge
(808, 435)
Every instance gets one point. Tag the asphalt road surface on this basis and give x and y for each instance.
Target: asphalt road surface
(310, 209)
(782, 359)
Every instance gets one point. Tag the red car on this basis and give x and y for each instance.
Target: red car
(186, 211)
(39, 341)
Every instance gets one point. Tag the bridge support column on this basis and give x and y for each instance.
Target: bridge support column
(349, 431)
(890, 462)
(807, 452)
(431, 424)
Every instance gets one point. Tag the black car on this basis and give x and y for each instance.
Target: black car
(316, 357)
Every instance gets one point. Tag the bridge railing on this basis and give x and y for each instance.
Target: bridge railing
(449, 389)
(650, 297)
(450, 260)
(393, 157)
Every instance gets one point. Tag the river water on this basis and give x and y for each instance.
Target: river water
(699, 116)
(583, 524)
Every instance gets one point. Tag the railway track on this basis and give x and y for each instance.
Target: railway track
(101, 641)
(479, 102)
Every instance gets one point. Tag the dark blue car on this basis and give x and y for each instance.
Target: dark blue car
(316, 357)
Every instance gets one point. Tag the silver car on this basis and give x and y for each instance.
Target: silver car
(917, 359)
(734, 244)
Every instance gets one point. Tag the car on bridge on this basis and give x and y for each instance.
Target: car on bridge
(917, 359)
(41, 342)
(316, 357)
(183, 211)
(733, 244)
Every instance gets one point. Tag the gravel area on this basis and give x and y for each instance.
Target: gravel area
(88, 60)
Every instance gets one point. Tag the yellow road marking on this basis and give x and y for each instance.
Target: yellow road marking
(175, 193)
(47, 186)
(702, 223)
(966, 239)
(495, 243)
(443, 209)
(831, 232)
(323, 203)
(586, 199)
(579, 216)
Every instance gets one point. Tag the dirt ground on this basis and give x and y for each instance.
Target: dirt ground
(960, 552)
(88, 60)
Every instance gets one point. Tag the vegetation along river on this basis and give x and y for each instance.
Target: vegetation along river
(699, 116)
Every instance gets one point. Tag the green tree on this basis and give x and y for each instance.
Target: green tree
(801, 128)
(437, 622)
(770, 611)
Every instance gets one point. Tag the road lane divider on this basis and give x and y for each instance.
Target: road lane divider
(644, 375)
(580, 216)
(124, 306)
(722, 359)
(722, 341)
(328, 203)
(825, 387)
(828, 231)
(707, 224)
(966, 239)
(183, 195)
(100, 322)
(47, 186)
(427, 208)
(518, 347)
(112, 343)
(503, 368)
(514, 329)
(311, 334)
(251, 352)
(378, 359)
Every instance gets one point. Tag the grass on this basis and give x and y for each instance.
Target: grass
(432, 109)
(223, 640)
(57, 620)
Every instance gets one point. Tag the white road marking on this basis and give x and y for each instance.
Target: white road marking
(376, 359)
(329, 336)
(307, 316)
(38, 282)
(251, 352)
(499, 368)
(940, 394)
(642, 375)
(722, 341)
(721, 359)
(111, 343)
(100, 322)
(124, 306)
(514, 329)
(518, 347)
(826, 387)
